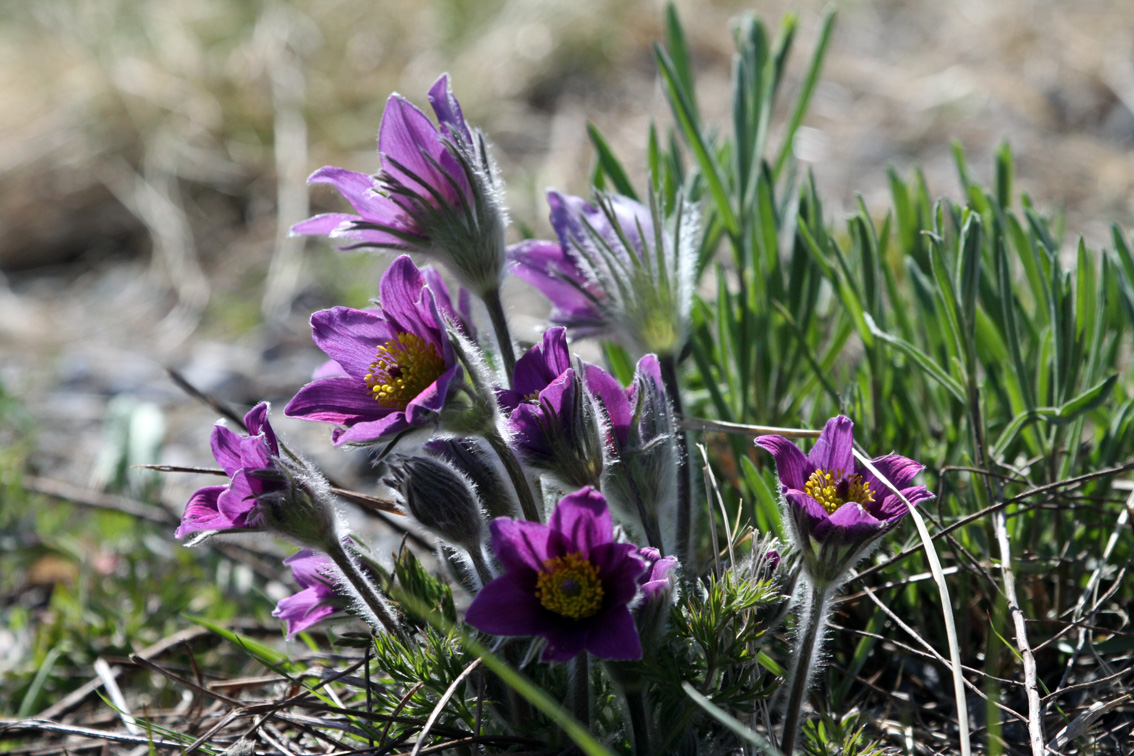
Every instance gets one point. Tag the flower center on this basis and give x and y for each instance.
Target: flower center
(403, 368)
(570, 587)
(832, 489)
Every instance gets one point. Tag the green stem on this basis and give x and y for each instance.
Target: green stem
(580, 681)
(684, 491)
(500, 326)
(639, 721)
(366, 591)
(813, 619)
(515, 474)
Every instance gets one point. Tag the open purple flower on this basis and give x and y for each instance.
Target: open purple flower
(567, 581)
(835, 508)
(318, 599)
(245, 458)
(550, 414)
(397, 364)
(616, 271)
(436, 193)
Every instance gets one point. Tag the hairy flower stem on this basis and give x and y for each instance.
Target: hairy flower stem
(639, 721)
(483, 571)
(579, 673)
(668, 366)
(515, 474)
(813, 619)
(500, 326)
(364, 589)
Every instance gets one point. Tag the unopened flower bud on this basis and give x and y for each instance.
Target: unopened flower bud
(438, 497)
(472, 459)
(658, 590)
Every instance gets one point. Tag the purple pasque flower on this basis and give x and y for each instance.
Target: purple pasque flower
(835, 508)
(567, 581)
(397, 363)
(640, 478)
(235, 507)
(618, 270)
(550, 415)
(318, 600)
(436, 193)
(655, 582)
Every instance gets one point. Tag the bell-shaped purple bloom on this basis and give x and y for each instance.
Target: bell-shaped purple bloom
(616, 271)
(245, 459)
(834, 507)
(655, 582)
(397, 363)
(567, 581)
(436, 193)
(550, 414)
(318, 600)
(641, 477)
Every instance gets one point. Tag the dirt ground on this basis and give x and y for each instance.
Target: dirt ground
(153, 153)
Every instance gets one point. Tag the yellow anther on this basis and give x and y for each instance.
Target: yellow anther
(570, 587)
(403, 368)
(832, 489)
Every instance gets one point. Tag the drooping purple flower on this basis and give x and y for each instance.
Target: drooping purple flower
(397, 364)
(655, 581)
(436, 193)
(617, 270)
(834, 507)
(550, 414)
(641, 477)
(236, 505)
(567, 581)
(318, 599)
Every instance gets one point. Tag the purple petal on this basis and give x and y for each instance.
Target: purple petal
(615, 636)
(201, 513)
(256, 421)
(851, 523)
(431, 400)
(792, 466)
(520, 545)
(565, 640)
(806, 512)
(238, 501)
(336, 400)
(370, 430)
(358, 188)
(508, 606)
(889, 507)
(584, 519)
(613, 398)
(407, 136)
(324, 224)
(329, 369)
(543, 363)
(895, 468)
(835, 448)
(448, 110)
(406, 303)
(552, 269)
(619, 569)
(226, 449)
(303, 610)
(351, 337)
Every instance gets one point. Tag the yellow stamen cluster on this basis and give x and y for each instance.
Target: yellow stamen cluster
(403, 368)
(832, 489)
(570, 587)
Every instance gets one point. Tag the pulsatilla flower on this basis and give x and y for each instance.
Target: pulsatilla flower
(640, 478)
(618, 270)
(835, 509)
(550, 413)
(235, 507)
(437, 193)
(318, 600)
(567, 581)
(397, 363)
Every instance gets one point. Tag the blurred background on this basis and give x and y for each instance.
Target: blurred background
(153, 154)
